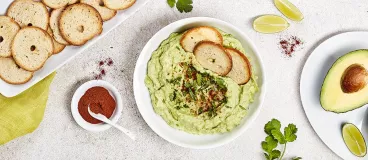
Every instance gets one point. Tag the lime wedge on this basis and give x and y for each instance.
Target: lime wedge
(270, 24)
(289, 10)
(354, 140)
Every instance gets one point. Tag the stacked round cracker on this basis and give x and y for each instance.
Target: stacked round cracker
(79, 23)
(206, 43)
(30, 34)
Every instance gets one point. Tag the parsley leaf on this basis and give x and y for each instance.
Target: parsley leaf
(171, 3)
(290, 133)
(297, 158)
(184, 6)
(271, 125)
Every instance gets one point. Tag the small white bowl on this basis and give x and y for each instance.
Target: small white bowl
(82, 90)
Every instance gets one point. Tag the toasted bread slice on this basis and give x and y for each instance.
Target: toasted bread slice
(8, 29)
(118, 4)
(192, 37)
(241, 71)
(54, 24)
(29, 13)
(106, 13)
(11, 73)
(213, 57)
(57, 46)
(80, 23)
(31, 48)
(55, 4)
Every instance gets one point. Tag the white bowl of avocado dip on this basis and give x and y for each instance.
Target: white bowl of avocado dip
(175, 105)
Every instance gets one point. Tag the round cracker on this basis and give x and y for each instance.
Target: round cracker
(195, 35)
(212, 56)
(54, 24)
(241, 71)
(118, 4)
(79, 23)
(31, 48)
(55, 4)
(11, 73)
(57, 46)
(106, 13)
(8, 29)
(29, 13)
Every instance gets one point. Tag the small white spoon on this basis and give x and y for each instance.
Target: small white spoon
(106, 120)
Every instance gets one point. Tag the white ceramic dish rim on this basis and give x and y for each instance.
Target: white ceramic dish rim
(354, 115)
(185, 23)
(81, 91)
(57, 61)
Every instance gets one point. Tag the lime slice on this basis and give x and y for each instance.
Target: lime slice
(289, 10)
(354, 140)
(270, 24)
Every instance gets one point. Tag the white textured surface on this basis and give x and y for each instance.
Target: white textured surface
(59, 137)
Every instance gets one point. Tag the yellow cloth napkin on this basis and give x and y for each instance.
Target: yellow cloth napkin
(22, 114)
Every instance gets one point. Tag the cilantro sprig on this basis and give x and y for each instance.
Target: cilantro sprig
(182, 5)
(275, 137)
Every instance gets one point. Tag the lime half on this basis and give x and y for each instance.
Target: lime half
(289, 10)
(270, 24)
(354, 140)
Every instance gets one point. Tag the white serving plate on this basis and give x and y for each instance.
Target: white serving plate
(143, 99)
(327, 124)
(68, 54)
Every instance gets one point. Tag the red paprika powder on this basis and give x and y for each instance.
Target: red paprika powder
(99, 101)
(290, 45)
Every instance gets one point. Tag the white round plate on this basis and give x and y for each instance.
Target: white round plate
(143, 99)
(327, 124)
(82, 90)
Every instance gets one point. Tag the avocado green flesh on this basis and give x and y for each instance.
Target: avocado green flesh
(164, 66)
(332, 96)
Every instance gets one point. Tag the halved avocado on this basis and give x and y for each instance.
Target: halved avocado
(344, 88)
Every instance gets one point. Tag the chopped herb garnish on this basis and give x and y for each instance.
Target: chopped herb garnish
(172, 96)
(205, 92)
(187, 85)
(200, 110)
(221, 83)
(175, 80)
(177, 47)
(192, 94)
(242, 107)
(199, 79)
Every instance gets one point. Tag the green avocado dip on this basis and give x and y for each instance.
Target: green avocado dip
(191, 98)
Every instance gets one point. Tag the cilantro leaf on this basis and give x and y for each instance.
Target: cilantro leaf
(290, 133)
(278, 136)
(267, 156)
(184, 6)
(271, 125)
(171, 3)
(275, 154)
(275, 137)
(269, 144)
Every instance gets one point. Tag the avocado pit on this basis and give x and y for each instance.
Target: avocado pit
(354, 78)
